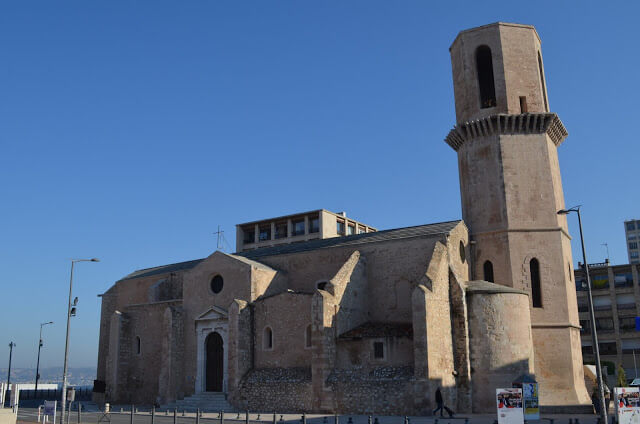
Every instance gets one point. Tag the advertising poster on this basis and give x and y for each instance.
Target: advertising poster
(530, 399)
(50, 409)
(627, 401)
(509, 403)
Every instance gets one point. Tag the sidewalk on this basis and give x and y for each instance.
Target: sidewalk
(144, 417)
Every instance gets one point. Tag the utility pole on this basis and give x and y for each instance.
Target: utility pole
(11, 346)
(40, 347)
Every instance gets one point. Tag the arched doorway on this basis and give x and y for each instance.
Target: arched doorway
(214, 363)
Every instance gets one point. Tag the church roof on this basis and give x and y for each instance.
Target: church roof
(249, 261)
(184, 266)
(163, 269)
(428, 230)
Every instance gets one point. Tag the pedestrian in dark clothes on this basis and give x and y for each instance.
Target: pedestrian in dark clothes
(440, 405)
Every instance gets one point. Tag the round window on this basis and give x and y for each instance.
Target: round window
(216, 284)
(463, 255)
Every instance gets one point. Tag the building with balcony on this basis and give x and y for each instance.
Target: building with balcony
(632, 236)
(301, 227)
(616, 304)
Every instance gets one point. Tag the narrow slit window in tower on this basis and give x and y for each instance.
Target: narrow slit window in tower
(536, 293)
(378, 350)
(138, 345)
(267, 341)
(307, 336)
(544, 87)
(488, 271)
(523, 104)
(486, 83)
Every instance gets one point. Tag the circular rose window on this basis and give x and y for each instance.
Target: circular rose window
(217, 283)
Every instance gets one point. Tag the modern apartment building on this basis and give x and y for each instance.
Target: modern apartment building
(616, 304)
(318, 224)
(632, 233)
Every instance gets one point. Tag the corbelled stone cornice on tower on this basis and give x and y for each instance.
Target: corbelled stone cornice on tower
(525, 123)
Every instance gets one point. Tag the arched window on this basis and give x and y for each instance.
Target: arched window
(536, 292)
(544, 87)
(267, 339)
(488, 271)
(138, 345)
(307, 336)
(484, 65)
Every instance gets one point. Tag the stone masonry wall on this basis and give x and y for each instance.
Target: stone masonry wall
(382, 391)
(283, 390)
(287, 315)
(500, 345)
(460, 328)
(432, 334)
(324, 349)
(240, 353)
(139, 374)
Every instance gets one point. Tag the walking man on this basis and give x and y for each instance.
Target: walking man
(440, 405)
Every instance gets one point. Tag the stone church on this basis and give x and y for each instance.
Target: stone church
(318, 312)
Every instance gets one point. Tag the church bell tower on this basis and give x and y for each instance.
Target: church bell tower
(507, 141)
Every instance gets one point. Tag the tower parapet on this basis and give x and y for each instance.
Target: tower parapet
(502, 124)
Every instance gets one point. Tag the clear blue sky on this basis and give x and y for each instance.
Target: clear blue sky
(131, 129)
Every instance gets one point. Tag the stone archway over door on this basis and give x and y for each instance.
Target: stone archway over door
(214, 363)
(212, 321)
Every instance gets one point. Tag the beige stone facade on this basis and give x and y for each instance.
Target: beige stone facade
(375, 321)
(511, 188)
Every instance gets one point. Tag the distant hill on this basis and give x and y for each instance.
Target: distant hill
(76, 376)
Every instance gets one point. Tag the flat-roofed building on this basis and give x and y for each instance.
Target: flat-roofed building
(616, 304)
(305, 226)
(632, 236)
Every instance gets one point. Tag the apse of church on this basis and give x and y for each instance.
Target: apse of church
(318, 312)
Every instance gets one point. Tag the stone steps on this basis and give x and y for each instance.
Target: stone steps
(205, 402)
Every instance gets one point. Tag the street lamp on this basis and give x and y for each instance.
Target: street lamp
(592, 318)
(40, 347)
(71, 311)
(11, 346)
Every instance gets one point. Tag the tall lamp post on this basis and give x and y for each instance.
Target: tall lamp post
(592, 318)
(11, 346)
(71, 311)
(40, 347)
